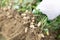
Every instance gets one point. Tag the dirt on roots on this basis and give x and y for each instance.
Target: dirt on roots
(20, 26)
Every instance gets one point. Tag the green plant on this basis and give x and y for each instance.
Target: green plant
(4, 3)
(52, 25)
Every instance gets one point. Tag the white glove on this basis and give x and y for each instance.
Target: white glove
(50, 7)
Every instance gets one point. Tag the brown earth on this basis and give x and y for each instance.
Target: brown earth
(20, 26)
